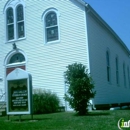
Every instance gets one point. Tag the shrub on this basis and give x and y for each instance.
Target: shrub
(80, 87)
(44, 101)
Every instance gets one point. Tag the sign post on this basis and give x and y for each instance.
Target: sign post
(19, 92)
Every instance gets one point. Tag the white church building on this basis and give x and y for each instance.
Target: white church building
(52, 34)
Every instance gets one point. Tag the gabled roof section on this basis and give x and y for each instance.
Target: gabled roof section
(90, 9)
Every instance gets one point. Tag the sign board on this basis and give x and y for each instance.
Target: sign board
(19, 92)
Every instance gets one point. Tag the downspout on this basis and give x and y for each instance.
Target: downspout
(91, 101)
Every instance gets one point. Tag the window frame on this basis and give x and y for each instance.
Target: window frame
(14, 5)
(124, 73)
(12, 53)
(108, 67)
(117, 70)
(46, 12)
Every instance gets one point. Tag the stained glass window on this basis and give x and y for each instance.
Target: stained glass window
(10, 32)
(20, 21)
(20, 13)
(51, 27)
(51, 19)
(15, 27)
(18, 57)
(10, 24)
(10, 16)
(20, 29)
(52, 34)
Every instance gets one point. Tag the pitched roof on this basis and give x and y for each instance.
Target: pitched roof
(90, 9)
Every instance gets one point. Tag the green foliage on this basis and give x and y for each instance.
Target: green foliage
(45, 101)
(80, 87)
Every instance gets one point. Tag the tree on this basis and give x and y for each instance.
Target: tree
(80, 87)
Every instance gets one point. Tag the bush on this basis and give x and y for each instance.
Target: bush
(44, 101)
(80, 87)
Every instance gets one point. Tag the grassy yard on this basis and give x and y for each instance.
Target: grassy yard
(97, 120)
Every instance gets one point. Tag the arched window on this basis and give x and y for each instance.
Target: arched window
(51, 26)
(108, 65)
(15, 27)
(18, 57)
(20, 21)
(10, 23)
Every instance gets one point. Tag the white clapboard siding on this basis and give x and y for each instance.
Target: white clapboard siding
(47, 63)
(100, 39)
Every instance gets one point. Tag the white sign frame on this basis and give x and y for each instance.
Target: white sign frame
(18, 75)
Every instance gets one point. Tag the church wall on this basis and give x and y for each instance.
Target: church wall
(100, 40)
(47, 62)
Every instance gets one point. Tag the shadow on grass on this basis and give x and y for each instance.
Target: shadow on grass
(98, 113)
(95, 113)
(27, 120)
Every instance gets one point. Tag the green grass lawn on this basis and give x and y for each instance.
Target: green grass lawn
(97, 120)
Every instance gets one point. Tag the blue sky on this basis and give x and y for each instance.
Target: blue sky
(116, 14)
